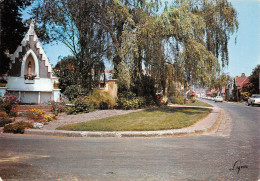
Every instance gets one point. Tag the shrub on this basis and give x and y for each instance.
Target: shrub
(245, 95)
(176, 94)
(36, 115)
(49, 118)
(4, 121)
(80, 105)
(17, 127)
(101, 100)
(177, 99)
(150, 100)
(144, 86)
(128, 100)
(73, 91)
(57, 107)
(9, 104)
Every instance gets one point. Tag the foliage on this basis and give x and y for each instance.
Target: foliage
(12, 29)
(191, 36)
(101, 100)
(128, 100)
(36, 115)
(17, 127)
(70, 78)
(74, 91)
(57, 107)
(71, 22)
(29, 77)
(145, 87)
(9, 104)
(4, 121)
(254, 80)
(245, 95)
(175, 93)
(67, 71)
(80, 105)
(123, 76)
(49, 118)
(221, 81)
(246, 91)
(177, 99)
(39, 116)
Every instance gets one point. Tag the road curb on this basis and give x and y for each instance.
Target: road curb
(165, 133)
(208, 124)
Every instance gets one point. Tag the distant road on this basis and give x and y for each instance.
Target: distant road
(230, 153)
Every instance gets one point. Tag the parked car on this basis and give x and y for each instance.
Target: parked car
(212, 98)
(254, 100)
(209, 98)
(218, 99)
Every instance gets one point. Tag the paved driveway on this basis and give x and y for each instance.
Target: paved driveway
(205, 157)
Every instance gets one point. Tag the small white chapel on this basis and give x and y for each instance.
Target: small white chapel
(30, 77)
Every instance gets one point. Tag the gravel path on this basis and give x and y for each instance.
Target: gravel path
(64, 119)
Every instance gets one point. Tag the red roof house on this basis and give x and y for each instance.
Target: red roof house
(241, 81)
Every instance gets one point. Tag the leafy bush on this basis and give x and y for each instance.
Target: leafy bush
(49, 118)
(101, 100)
(9, 104)
(175, 93)
(144, 86)
(4, 121)
(73, 91)
(177, 99)
(245, 95)
(80, 105)
(36, 115)
(128, 100)
(58, 107)
(17, 127)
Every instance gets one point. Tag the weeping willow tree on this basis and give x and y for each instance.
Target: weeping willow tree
(186, 42)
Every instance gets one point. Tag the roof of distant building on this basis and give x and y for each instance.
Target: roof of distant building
(241, 81)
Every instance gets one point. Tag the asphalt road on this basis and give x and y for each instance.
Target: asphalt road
(230, 153)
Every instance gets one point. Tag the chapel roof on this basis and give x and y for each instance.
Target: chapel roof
(26, 39)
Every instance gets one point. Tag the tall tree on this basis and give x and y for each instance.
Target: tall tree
(12, 29)
(221, 81)
(133, 33)
(221, 21)
(77, 24)
(200, 30)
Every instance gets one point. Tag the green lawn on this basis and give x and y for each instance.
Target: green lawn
(151, 119)
(198, 103)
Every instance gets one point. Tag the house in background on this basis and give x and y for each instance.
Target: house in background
(108, 84)
(233, 90)
(239, 82)
(30, 77)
